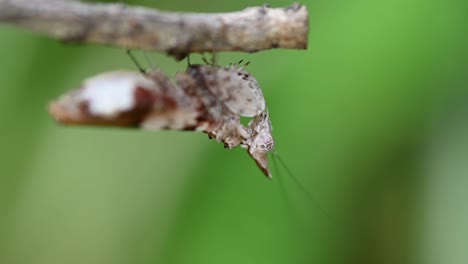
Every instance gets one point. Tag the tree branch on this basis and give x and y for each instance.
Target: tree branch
(178, 34)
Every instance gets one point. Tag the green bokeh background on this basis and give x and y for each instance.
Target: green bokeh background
(372, 118)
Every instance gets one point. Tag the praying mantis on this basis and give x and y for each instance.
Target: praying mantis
(206, 98)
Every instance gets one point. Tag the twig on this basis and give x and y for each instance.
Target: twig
(178, 34)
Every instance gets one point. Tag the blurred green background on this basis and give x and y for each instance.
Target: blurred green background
(372, 118)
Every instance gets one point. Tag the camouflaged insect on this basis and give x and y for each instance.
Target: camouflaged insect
(205, 98)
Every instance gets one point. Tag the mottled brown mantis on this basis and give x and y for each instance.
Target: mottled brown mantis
(206, 98)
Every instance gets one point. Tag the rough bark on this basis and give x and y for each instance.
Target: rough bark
(177, 34)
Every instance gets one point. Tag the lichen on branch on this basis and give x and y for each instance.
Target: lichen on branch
(175, 33)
